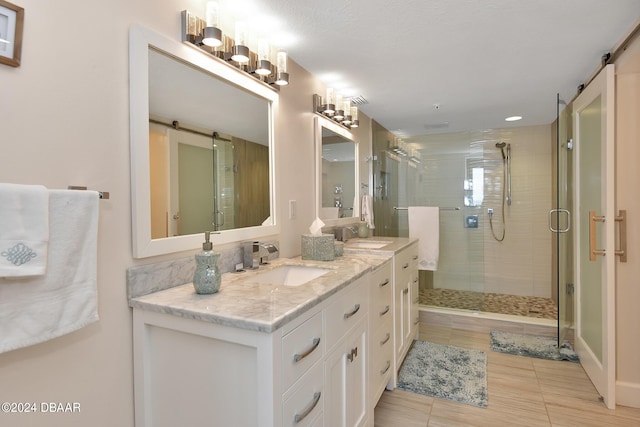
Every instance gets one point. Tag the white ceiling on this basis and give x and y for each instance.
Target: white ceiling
(481, 61)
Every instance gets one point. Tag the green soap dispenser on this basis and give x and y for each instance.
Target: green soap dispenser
(206, 279)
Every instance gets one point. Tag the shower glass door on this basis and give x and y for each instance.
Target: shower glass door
(560, 222)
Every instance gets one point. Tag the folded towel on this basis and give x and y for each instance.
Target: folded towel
(367, 211)
(36, 309)
(24, 230)
(424, 224)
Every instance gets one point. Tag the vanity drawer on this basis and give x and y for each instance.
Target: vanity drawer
(301, 348)
(350, 306)
(381, 358)
(303, 405)
(381, 291)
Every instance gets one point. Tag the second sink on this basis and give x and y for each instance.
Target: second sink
(366, 244)
(290, 275)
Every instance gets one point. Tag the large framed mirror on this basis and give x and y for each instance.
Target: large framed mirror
(202, 148)
(337, 193)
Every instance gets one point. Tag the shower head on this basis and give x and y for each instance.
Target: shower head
(501, 146)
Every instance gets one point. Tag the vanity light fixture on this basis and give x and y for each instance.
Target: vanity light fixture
(211, 34)
(354, 117)
(264, 65)
(240, 51)
(282, 76)
(342, 112)
(328, 103)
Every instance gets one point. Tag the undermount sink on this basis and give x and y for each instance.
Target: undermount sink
(367, 244)
(290, 275)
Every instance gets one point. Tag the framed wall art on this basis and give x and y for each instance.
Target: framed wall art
(11, 25)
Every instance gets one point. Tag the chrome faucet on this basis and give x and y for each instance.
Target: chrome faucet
(257, 254)
(345, 231)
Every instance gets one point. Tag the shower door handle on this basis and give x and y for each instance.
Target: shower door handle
(559, 211)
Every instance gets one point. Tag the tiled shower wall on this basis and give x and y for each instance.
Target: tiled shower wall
(470, 259)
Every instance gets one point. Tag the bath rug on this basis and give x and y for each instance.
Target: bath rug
(532, 346)
(445, 372)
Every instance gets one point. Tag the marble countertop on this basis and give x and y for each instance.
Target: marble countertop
(243, 303)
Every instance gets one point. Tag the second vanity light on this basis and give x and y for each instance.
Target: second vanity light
(337, 108)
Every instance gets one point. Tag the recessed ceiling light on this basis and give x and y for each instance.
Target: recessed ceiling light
(513, 119)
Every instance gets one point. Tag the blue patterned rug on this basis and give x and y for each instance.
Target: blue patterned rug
(445, 372)
(532, 346)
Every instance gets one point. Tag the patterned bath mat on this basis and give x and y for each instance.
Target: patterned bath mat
(531, 346)
(445, 372)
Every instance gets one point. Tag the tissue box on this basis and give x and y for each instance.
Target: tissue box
(318, 248)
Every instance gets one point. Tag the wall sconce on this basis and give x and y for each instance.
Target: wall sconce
(208, 37)
(329, 108)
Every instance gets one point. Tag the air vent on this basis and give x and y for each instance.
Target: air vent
(441, 125)
(358, 100)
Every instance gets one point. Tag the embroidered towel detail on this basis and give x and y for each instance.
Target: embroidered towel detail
(24, 230)
(39, 308)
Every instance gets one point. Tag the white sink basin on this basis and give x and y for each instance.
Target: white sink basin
(367, 244)
(290, 275)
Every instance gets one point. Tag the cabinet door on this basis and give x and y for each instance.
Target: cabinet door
(356, 374)
(345, 381)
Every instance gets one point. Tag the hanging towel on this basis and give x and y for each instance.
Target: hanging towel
(367, 211)
(24, 230)
(424, 224)
(36, 309)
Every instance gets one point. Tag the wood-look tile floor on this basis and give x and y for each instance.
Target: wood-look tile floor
(521, 392)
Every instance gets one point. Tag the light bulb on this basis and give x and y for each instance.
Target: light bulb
(211, 34)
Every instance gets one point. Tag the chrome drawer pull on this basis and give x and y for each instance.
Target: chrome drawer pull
(406, 265)
(298, 357)
(405, 291)
(417, 300)
(416, 321)
(386, 369)
(385, 340)
(316, 399)
(385, 283)
(415, 257)
(353, 354)
(355, 310)
(415, 280)
(385, 311)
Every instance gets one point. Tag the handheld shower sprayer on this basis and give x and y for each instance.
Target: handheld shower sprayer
(501, 146)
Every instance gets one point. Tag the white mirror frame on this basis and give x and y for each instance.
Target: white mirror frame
(144, 246)
(319, 123)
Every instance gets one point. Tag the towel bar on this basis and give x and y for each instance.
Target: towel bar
(101, 194)
(441, 208)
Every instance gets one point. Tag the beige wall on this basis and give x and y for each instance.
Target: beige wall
(627, 181)
(64, 120)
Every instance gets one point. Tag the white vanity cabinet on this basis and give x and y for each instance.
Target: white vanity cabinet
(312, 371)
(405, 294)
(381, 341)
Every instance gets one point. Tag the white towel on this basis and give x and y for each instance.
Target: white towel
(24, 230)
(36, 309)
(424, 224)
(367, 211)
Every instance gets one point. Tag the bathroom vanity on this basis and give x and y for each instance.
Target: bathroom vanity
(265, 354)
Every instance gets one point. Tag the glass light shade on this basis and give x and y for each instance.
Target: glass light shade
(281, 61)
(241, 33)
(329, 102)
(339, 105)
(346, 107)
(213, 17)
(354, 113)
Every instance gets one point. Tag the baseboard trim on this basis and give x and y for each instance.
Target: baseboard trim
(628, 394)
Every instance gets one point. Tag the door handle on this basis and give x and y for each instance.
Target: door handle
(621, 219)
(559, 211)
(593, 218)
